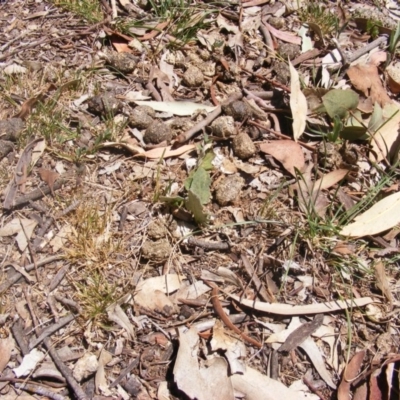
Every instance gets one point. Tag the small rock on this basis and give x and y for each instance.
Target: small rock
(157, 230)
(85, 366)
(123, 62)
(193, 77)
(157, 132)
(224, 127)
(243, 146)
(141, 117)
(282, 71)
(277, 22)
(181, 125)
(157, 250)
(10, 129)
(239, 110)
(288, 50)
(229, 189)
(104, 105)
(132, 386)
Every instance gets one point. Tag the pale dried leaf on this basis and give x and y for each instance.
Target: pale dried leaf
(6, 346)
(383, 215)
(287, 152)
(14, 69)
(234, 349)
(166, 152)
(287, 309)
(23, 228)
(314, 354)
(182, 108)
(365, 78)
(37, 151)
(382, 282)
(350, 373)
(48, 176)
(298, 104)
(199, 382)
(255, 386)
(386, 139)
(284, 36)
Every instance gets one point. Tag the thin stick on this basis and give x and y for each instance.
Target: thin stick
(16, 277)
(220, 312)
(184, 137)
(66, 372)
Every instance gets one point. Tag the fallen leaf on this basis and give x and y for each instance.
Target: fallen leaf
(284, 36)
(287, 152)
(383, 215)
(182, 108)
(339, 102)
(298, 103)
(37, 151)
(256, 386)
(122, 47)
(151, 293)
(23, 228)
(14, 69)
(382, 282)
(234, 349)
(48, 176)
(330, 179)
(300, 334)
(6, 345)
(196, 381)
(166, 152)
(365, 78)
(385, 141)
(349, 374)
(287, 309)
(314, 354)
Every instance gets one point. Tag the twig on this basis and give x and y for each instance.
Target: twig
(59, 276)
(125, 372)
(257, 282)
(220, 312)
(270, 81)
(65, 371)
(68, 302)
(184, 137)
(306, 56)
(281, 135)
(15, 278)
(268, 41)
(153, 91)
(277, 125)
(36, 194)
(207, 245)
(313, 389)
(40, 390)
(50, 330)
(19, 336)
(366, 49)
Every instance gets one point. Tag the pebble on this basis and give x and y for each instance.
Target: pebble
(193, 77)
(243, 146)
(224, 127)
(229, 189)
(157, 132)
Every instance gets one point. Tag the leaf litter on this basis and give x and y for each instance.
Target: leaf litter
(165, 233)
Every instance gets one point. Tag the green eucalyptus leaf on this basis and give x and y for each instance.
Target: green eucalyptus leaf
(340, 102)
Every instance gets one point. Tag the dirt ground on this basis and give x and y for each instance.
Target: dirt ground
(200, 200)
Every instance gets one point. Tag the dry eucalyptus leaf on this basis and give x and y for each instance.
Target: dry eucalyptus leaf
(287, 152)
(48, 176)
(23, 228)
(298, 104)
(383, 215)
